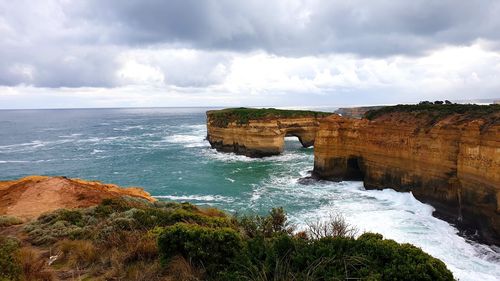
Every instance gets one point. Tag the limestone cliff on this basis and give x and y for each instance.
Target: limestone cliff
(260, 132)
(451, 161)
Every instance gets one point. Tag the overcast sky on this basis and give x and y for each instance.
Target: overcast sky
(121, 53)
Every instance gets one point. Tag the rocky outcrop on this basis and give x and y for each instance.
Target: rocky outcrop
(451, 162)
(31, 196)
(257, 133)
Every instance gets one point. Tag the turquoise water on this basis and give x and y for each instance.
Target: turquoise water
(164, 151)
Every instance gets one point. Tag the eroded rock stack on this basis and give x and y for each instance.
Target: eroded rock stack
(260, 132)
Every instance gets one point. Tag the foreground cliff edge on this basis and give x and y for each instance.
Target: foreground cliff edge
(127, 235)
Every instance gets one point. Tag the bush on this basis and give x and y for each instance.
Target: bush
(211, 248)
(33, 265)
(78, 254)
(276, 222)
(284, 257)
(9, 220)
(335, 226)
(9, 265)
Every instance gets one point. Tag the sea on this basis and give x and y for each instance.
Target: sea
(164, 151)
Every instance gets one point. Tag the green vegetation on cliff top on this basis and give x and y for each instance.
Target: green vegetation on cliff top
(242, 115)
(439, 110)
(130, 239)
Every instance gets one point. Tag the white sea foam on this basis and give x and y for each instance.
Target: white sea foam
(401, 217)
(33, 145)
(198, 198)
(233, 157)
(12, 161)
(96, 151)
(70, 136)
(186, 140)
(128, 128)
(24, 161)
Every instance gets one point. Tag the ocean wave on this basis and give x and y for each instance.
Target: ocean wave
(128, 128)
(197, 198)
(33, 145)
(186, 140)
(233, 157)
(24, 161)
(70, 136)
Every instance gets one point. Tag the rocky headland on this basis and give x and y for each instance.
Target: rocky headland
(260, 132)
(446, 155)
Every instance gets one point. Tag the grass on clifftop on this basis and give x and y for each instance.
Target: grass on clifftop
(242, 115)
(438, 110)
(130, 239)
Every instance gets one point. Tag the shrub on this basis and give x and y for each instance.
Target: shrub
(9, 220)
(78, 254)
(284, 257)
(33, 266)
(335, 226)
(10, 267)
(275, 222)
(212, 248)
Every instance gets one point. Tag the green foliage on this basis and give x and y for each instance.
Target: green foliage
(242, 115)
(225, 247)
(264, 248)
(267, 226)
(212, 248)
(285, 257)
(10, 269)
(437, 110)
(116, 215)
(9, 220)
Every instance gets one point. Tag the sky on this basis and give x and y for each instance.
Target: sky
(143, 53)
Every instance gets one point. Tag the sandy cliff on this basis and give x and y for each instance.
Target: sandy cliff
(452, 162)
(31, 196)
(261, 135)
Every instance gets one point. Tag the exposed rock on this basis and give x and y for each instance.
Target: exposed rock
(31, 196)
(260, 132)
(452, 162)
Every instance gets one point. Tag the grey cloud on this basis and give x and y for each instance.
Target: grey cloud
(366, 28)
(56, 43)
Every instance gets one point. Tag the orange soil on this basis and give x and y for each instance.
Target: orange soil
(31, 196)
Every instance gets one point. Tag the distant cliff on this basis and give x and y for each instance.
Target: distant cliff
(447, 155)
(260, 132)
(355, 112)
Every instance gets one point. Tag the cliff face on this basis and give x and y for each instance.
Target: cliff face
(258, 137)
(453, 164)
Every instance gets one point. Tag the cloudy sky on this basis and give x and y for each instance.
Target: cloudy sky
(120, 53)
